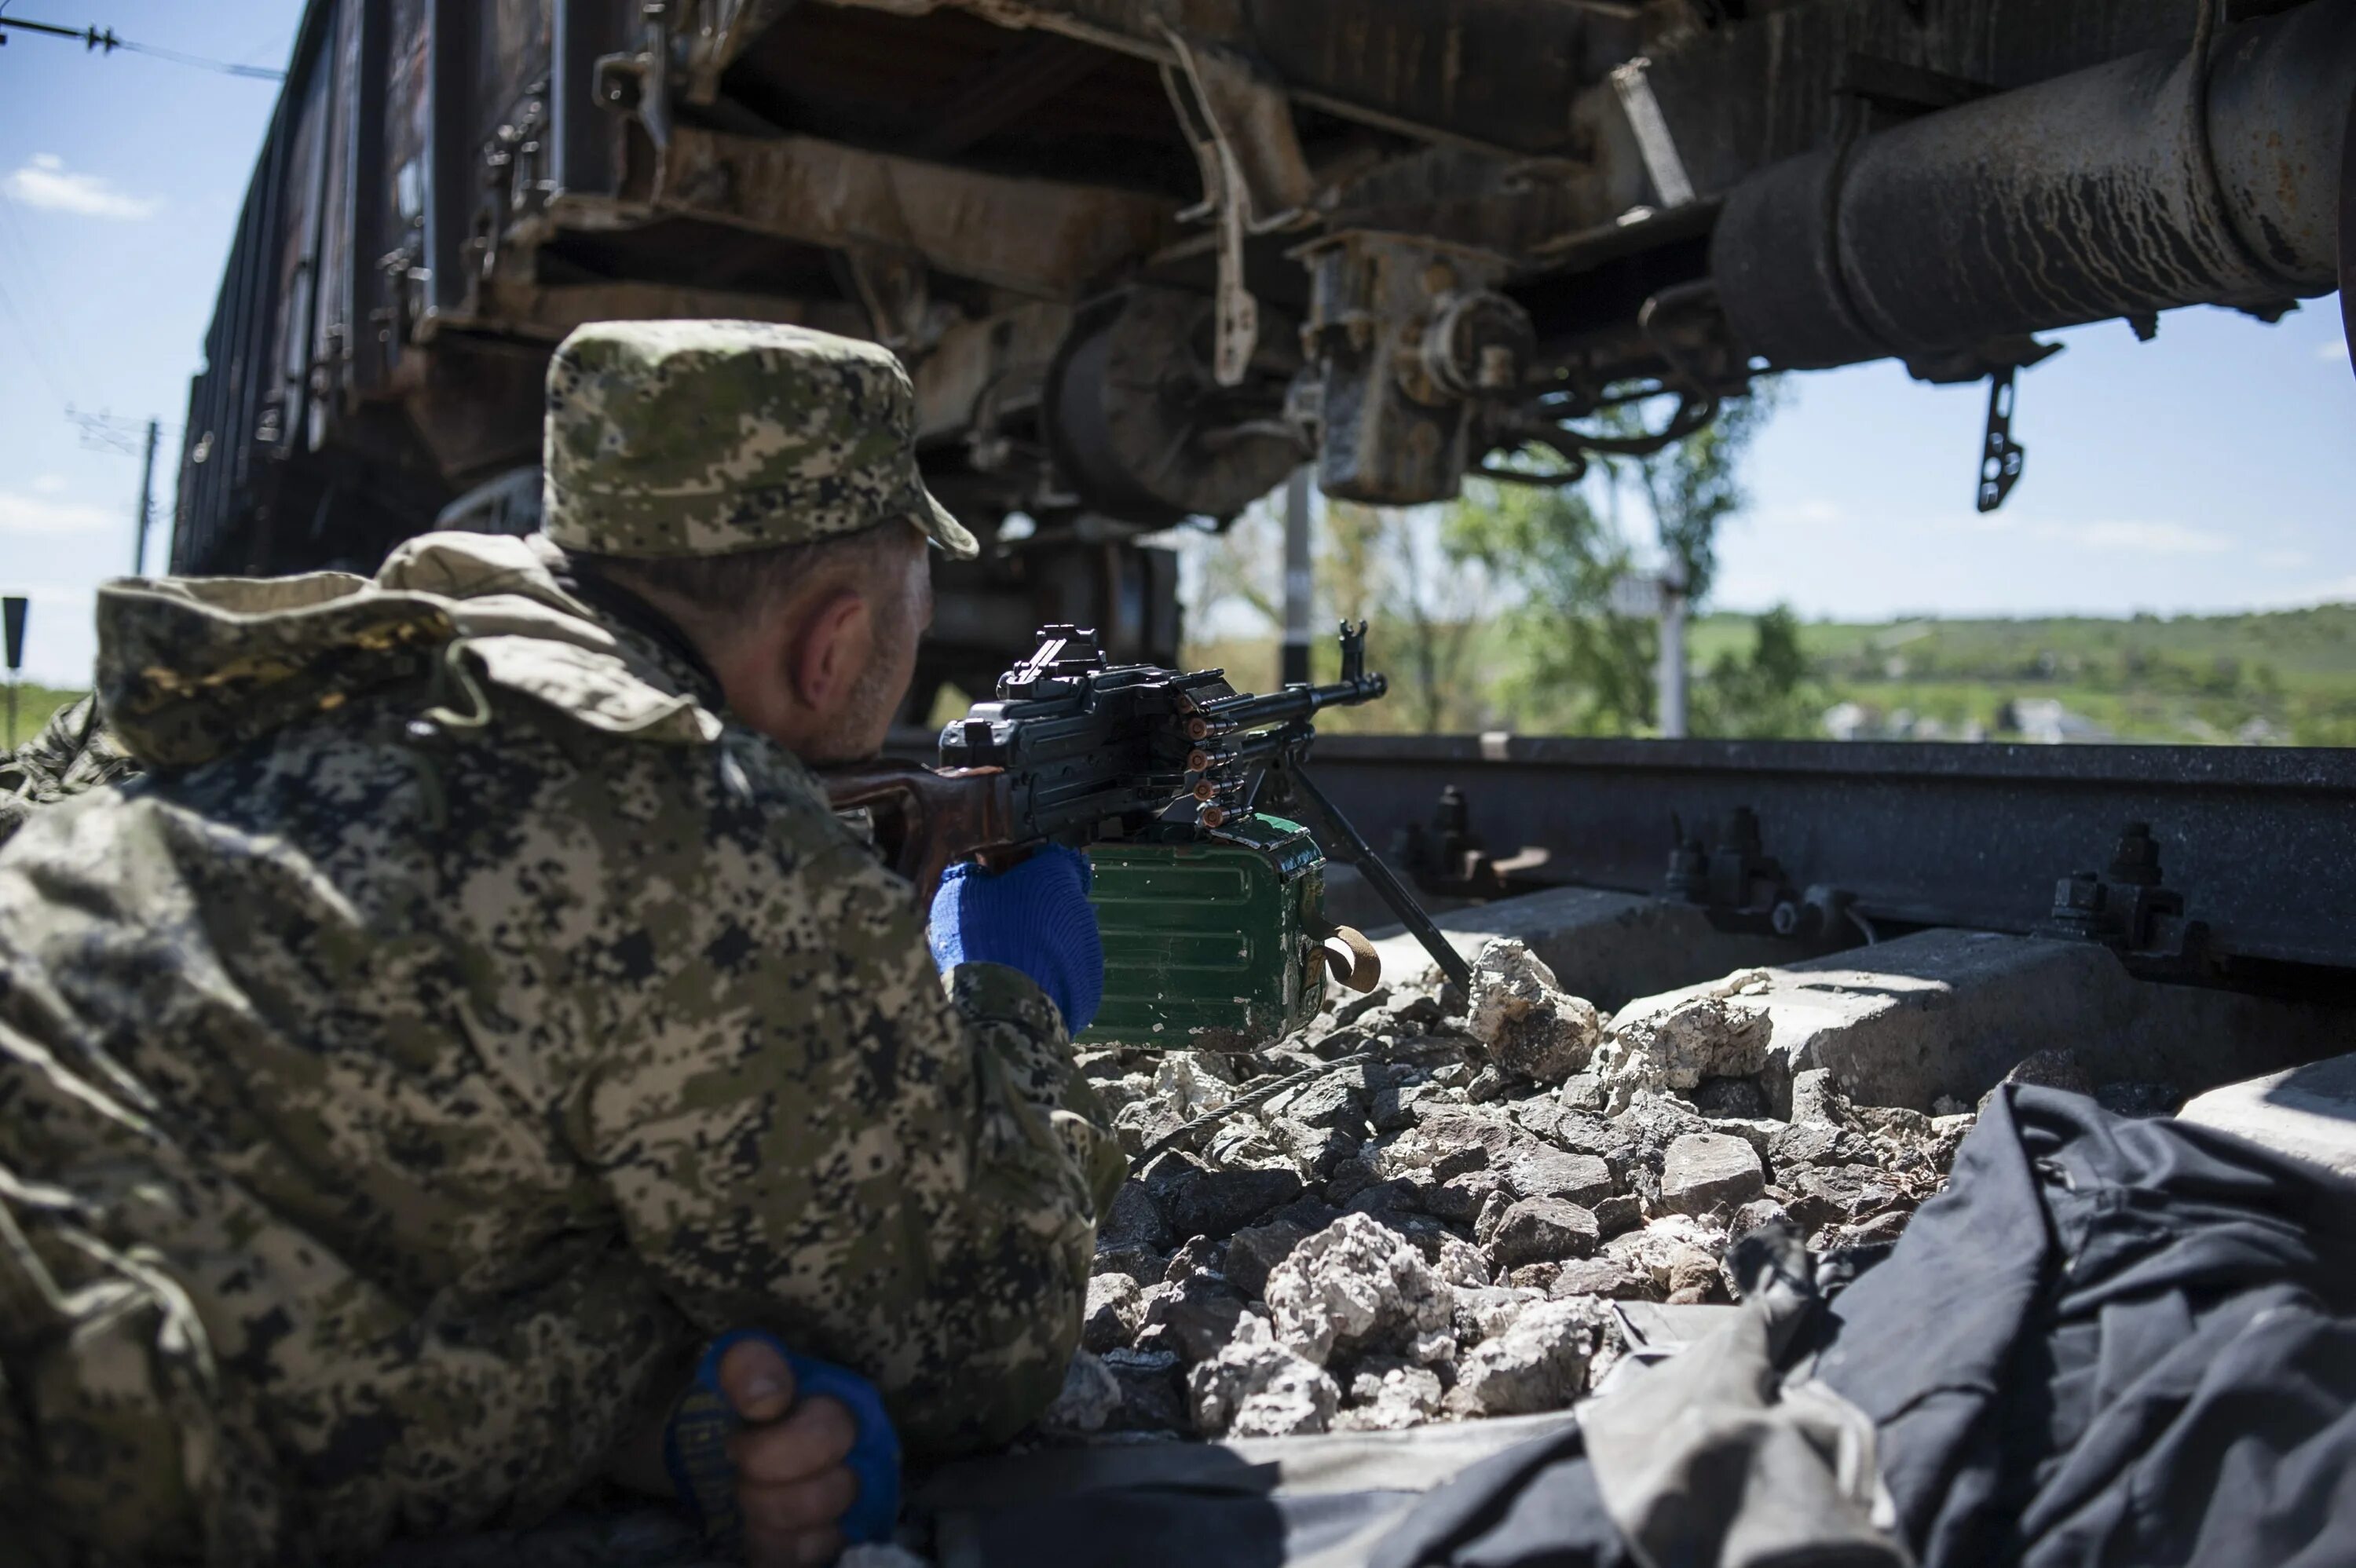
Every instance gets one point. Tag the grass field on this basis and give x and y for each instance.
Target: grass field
(2284, 678)
(34, 706)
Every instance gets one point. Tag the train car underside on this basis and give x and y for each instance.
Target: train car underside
(1145, 261)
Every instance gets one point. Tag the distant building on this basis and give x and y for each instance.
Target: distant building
(2043, 721)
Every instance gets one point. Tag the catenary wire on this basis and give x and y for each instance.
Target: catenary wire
(103, 40)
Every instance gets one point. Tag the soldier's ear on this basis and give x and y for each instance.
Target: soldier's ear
(831, 649)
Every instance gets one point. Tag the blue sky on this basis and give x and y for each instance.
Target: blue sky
(2213, 469)
(120, 182)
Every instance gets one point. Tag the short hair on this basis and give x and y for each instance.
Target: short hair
(726, 591)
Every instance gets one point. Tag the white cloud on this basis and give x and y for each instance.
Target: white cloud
(2335, 592)
(2283, 560)
(45, 181)
(49, 485)
(22, 514)
(2332, 353)
(2153, 538)
(1812, 514)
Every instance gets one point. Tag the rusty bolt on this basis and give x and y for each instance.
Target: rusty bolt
(2082, 893)
(2136, 858)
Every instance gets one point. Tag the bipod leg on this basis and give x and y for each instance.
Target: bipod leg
(1341, 841)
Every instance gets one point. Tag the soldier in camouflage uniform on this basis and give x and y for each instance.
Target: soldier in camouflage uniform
(74, 753)
(469, 1014)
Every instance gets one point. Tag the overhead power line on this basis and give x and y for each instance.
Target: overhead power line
(49, 372)
(39, 315)
(227, 68)
(103, 40)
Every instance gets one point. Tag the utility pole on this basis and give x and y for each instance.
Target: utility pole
(1672, 671)
(12, 621)
(1300, 580)
(147, 505)
(104, 432)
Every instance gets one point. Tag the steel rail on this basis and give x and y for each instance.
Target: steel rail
(2259, 843)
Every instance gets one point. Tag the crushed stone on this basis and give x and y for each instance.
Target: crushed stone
(1438, 1234)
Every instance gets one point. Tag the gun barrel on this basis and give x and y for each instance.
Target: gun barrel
(1252, 712)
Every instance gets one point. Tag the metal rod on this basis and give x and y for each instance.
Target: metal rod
(1300, 580)
(1249, 710)
(1672, 672)
(147, 505)
(1341, 840)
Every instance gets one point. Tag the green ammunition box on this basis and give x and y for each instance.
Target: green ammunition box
(1210, 937)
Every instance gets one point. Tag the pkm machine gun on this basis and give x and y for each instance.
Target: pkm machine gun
(1207, 836)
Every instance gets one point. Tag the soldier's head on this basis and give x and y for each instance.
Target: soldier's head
(759, 485)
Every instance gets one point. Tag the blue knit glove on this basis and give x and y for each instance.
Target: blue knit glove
(1035, 918)
(695, 1445)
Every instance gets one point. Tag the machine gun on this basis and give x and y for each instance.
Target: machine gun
(1207, 835)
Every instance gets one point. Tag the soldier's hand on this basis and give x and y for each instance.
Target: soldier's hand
(791, 1483)
(1035, 917)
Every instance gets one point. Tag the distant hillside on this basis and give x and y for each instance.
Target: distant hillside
(2286, 677)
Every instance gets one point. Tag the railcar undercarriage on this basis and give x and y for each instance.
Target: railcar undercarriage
(1145, 260)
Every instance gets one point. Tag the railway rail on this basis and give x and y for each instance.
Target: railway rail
(2211, 866)
(2205, 865)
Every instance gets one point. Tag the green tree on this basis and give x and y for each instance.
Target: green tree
(1693, 486)
(1764, 695)
(1384, 566)
(1243, 562)
(1584, 668)
(1581, 668)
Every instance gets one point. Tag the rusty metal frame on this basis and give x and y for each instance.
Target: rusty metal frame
(1144, 33)
(1036, 236)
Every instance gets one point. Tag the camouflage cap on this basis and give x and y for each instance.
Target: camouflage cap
(675, 438)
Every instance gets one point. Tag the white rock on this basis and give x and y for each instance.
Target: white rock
(1703, 1171)
(1246, 1144)
(1654, 1250)
(1461, 1264)
(1391, 1400)
(1256, 1387)
(1190, 1083)
(1089, 1396)
(1539, 1362)
(1723, 1032)
(1526, 1023)
(1114, 1313)
(1816, 1098)
(1487, 1313)
(1358, 1284)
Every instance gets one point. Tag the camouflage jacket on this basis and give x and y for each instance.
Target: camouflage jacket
(461, 1022)
(73, 752)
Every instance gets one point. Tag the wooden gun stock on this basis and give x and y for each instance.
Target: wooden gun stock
(926, 817)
